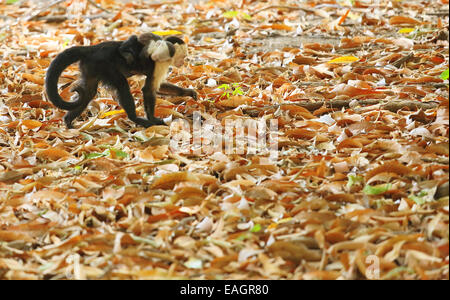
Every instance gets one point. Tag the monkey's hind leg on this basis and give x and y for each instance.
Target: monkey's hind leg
(117, 81)
(86, 89)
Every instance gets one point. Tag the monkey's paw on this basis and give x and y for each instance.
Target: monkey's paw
(155, 121)
(192, 93)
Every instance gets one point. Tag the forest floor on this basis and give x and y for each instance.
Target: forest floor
(349, 180)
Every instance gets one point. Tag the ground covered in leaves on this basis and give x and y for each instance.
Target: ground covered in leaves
(360, 186)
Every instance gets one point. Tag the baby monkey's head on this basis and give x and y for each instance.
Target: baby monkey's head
(171, 48)
(180, 51)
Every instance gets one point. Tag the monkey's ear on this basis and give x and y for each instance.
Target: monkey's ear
(126, 49)
(160, 50)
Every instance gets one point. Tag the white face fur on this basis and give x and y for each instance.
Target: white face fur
(159, 52)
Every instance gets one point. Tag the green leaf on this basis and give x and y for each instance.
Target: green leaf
(119, 153)
(238, 91)
(424, 196)
(397, 271)
(234, 14)
(97, 155)
(242, 237)
(224, 86)
(444, 75)
(256, 228)
(42, 212)
(376, 190)
(353, 179)
(11, 1)
(66, 42)
(231, 14)
(77, 168)
(246, 16)
(418, 200)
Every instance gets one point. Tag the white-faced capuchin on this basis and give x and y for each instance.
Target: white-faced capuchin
(112, 63)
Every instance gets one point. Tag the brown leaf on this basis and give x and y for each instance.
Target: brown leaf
(295, 252)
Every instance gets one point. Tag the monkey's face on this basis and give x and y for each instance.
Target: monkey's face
(180, 54)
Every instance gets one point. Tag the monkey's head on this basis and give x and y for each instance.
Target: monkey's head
(172, 48)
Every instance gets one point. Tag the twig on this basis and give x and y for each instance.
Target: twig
(209, 20)
(98, 6)
(33, 16)
(392, 106)
(63, 18)
(439, 14)
(402, 60)
(284, 7)
(440, 160)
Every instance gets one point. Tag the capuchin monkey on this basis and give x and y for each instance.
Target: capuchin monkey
(112, 63)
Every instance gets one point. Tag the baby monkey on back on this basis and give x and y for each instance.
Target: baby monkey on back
(112, 63)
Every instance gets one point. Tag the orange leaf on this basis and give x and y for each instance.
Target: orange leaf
(342, 19)
(236, 101)
(168, 181)
(7, 236)
(350, 143)
(297, 110)
(162, 112)
(12, 124)
(176, 213)
(304, 60)
(301, 133)
(31, 124)
(54, 153)
(206, 68)
(397, 20)
(276, 27)
(282, 27)
(350, 198)
(33, 78)
(352, 91)
(206, 30)
(390, 167)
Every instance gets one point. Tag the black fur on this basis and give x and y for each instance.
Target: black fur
(111, 63)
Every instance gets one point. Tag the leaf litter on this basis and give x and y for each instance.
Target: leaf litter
(360, 93)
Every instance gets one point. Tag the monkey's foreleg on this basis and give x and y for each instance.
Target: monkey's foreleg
(126, 100)
(171, 89)
(149, 103)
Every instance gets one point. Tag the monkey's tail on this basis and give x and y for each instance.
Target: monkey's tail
(58, 65)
